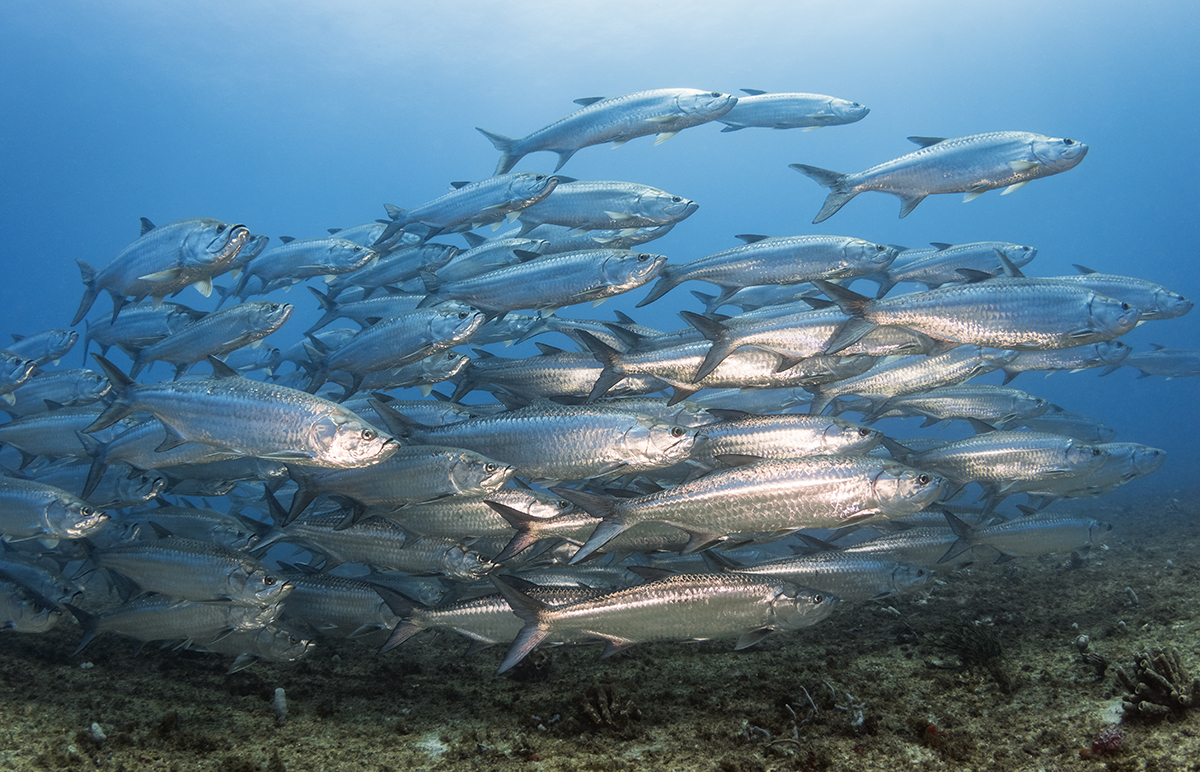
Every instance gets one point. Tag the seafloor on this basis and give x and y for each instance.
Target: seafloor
(885, 685)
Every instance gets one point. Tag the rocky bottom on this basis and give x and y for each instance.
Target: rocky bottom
(985, 670)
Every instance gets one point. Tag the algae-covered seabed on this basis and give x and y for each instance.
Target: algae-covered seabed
(680, 707)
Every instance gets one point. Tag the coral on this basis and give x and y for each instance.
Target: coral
(1111, 740)
(1160, 684)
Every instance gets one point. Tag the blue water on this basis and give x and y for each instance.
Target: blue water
(297, 117)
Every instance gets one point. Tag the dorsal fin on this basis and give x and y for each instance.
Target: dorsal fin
(457, 184)
(751, 238)
(220, 369)
(926, 141)
(287, 239)
(753, 91)
(1083, 269)
(585, 101)
(940, 245)
(147, 226)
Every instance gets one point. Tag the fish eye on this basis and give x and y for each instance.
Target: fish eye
(220, 229)
(924, 479)
(677, 431)
(563, 503)
(462, 314)
(87, 511)
(269, 581)
(1095, 451)
(368, 434)
(1068, 142)
(450, 355)
(716, 93)
(818, 599)
(1125, 306)
(864, 432)
(489, 468)
(642, 258)
(676, 199)
(540, 177)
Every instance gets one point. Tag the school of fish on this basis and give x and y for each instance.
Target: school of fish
(626, 484)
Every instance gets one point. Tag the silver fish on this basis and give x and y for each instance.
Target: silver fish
(790, 111)
(587, 205)
(939, 266)
(970, 165)
(681, 607)
(45, 347)
(473, 204)
(30, 509)
(249, 417)
(664, 112)
(163, 261)
(549, 441)
(217, 334)
(1167, 362)
(780, 260)
(299, 259)
(162, 618)
(779, 495)
(552, 281)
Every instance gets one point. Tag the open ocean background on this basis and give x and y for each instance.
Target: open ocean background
(294, 117)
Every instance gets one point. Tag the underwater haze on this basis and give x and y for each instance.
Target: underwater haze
(298, 117)
(294, 118)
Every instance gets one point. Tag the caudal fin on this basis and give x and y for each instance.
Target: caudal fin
(88, 274)
(839, 193)
(508, 155)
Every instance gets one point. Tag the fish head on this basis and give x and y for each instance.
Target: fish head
(624, 271)
(906, 577)
(1025, 405)
(847, 438)
(1057, 155)
(466, 565)
(795, 608)
(91, 386)
(212, 243)
(902, 490)
(74, 518)
(1167, 305)
(657, 442)
(660, 206)
(246, 618)
(1112, 352)
(253, 248)
(140, 486)
(704, 105)
(345, 441)
(528, 188)
(440, 367)
(1147, 459)
(277, 644)
(14, 370)
(1098, 532)
(1111, 317)
(252, 583)
(863, 256)
(455, 320)
(474, 473)
(265, 315)
(1083, 457)
(344, 255)
(435, 256)
(59, 342)
(845, 111)
(1018, 255)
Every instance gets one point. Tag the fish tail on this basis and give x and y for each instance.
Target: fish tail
(715, 332)
(122, 406)
(839, 192)
(508, 153)
(612, 374)
(530, 610)
(88, 274)
(97, 450)
(665, 284)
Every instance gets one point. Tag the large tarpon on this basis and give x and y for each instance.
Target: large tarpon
(249, 417)
(472, 204)
(971, 165)
(164, 260)
(791, 111)
(664, 111)
(680, 607)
